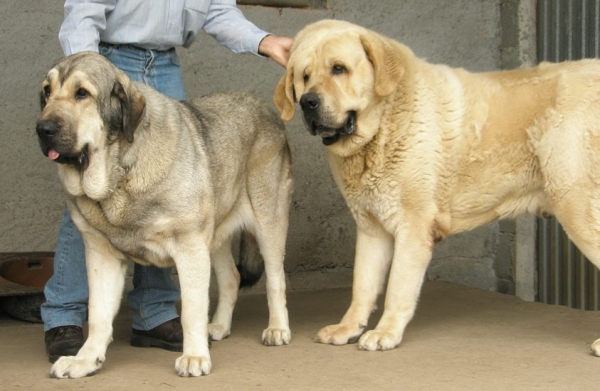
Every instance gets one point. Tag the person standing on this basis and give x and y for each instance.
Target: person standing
(140, 37)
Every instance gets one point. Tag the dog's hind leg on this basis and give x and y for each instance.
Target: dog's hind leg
(271, 240)
(270, 194)
(570, 162)
(106, 277)
(228, 282)
(578, 212)
(272, 220)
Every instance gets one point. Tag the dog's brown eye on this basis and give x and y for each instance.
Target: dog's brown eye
(47, 91)
(81, 93)
(306, 77)
(338, 69)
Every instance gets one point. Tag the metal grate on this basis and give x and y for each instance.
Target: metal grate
(567, 30)
(565, 276)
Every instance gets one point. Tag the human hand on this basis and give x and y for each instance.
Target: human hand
(277, 48)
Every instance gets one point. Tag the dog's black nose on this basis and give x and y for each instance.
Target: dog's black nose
(310, 101)
(46, 129)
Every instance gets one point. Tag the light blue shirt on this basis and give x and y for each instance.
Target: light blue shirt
(155, 24)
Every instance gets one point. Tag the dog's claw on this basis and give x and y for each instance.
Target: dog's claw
(276, 337)
(378, 340)
(338, 334)
(193, 366)
(69, 367)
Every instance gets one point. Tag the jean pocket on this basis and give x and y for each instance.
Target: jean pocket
(174, 58)
(105, 49)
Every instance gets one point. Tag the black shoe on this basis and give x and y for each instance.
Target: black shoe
(168, 336)
(63, 341)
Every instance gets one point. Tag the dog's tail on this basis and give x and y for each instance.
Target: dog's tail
(250, 264)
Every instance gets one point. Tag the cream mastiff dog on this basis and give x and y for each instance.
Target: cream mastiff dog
(422, 151)
(164, 182)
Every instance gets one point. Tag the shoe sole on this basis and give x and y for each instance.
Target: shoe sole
(53, 359)
(139, 341)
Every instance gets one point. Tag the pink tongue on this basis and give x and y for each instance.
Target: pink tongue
(52, 154)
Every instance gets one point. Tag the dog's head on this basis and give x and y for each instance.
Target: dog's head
(338, 72)
(87, 104)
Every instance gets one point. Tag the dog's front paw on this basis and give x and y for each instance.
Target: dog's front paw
(73, 367)
(378, 340)
(218, 332)
(276, 337)
(339, 334)
(192, 366)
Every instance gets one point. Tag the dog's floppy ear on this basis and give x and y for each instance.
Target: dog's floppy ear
(132, 103)
(284, 96)
(386, 61)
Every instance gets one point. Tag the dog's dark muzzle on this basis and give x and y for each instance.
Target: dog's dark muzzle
(311, 107)
(56, 147)
(47, 131)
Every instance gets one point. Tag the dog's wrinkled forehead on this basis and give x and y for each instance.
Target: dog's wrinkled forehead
(64, 83)
(320, 52)
(86, 69)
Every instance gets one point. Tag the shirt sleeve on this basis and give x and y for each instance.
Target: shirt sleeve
(226, 23)
(83, 21)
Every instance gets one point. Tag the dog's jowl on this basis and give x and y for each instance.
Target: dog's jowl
(167, 183)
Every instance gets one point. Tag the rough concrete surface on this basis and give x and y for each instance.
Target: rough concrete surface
(461, 339)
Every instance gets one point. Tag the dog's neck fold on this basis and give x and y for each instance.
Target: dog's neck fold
(95, 182)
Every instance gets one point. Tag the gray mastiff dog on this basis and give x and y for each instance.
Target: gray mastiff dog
(163, 182)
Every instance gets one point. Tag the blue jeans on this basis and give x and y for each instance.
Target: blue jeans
(154, 293)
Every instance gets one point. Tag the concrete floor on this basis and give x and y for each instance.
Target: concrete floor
(461, 339)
